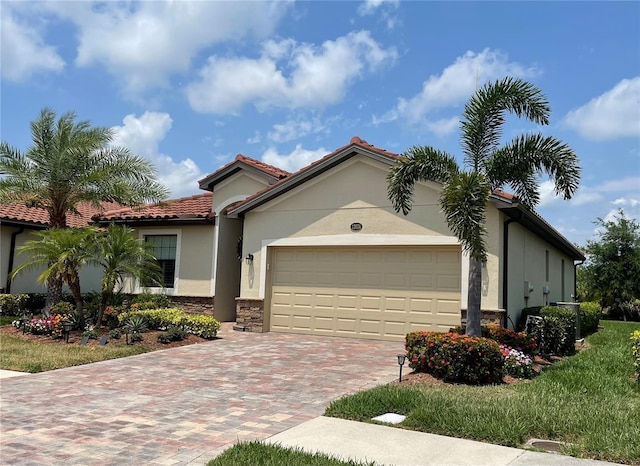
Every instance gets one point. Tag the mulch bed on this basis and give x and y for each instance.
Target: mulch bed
(150, 339)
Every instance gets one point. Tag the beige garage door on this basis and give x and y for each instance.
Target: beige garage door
(378, 292)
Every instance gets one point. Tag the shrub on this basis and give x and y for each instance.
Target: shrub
(90, 332)
(516, 363)
(635, 349)
(51, 325)
(555, 332)
(115, 334)
(202, 326)
(518, 340)
(35, 302)
(172, 334)
(455, 357)
(589, 317)
(136, 336)
(62, 308)
(630, 310)
(12, 304)
(159, 301)
(136, 324)
(526, 312)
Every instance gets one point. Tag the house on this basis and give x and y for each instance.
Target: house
(17, 225)
(322, 251)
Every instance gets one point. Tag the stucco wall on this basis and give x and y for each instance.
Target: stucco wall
(194, 258)
(235, 188)
(26, 282)
(527, 262)
(354, 191)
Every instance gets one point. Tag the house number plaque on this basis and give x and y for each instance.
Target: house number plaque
(356, 226)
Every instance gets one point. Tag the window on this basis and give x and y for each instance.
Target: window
(164, 249)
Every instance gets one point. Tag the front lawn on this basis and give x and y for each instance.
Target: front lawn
(588, 400)
(22, 355)
(259, 454)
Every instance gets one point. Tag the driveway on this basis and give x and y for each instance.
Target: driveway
(183, 405)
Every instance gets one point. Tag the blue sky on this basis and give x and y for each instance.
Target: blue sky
(191, 84)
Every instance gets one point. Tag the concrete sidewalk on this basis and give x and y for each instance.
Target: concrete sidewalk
(393, 446)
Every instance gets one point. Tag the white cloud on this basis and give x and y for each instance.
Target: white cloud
(143, 43)
(255, 139)
(621, 201)
(295, 160)
(295, 129)
(444, 126)
(369, 7)
(454, 86)
(23, 50)
(143, 135)
(287, 74)
(614, 114)
(592, 194)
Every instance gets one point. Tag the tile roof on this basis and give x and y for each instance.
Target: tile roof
(264, 167)
(198, 206)
(234, 166)
(19, 212)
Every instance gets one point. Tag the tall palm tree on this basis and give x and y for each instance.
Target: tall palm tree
(71, 162)
(62, 252)
(122, 255)
(516, 164)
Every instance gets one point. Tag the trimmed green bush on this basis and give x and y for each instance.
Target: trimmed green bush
(635, 349)
(589, 317)
(172, 334)
(520, 341)
(455, 357)
(555, 333)
(12, 304)
(200, 325)
(159, 301)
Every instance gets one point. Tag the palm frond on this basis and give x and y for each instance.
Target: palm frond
(483, 115)
(417, 164)
(520, 162)
(464, 203)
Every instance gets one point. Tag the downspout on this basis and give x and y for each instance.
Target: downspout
(505, 268)
(575, 280)
(12, 253)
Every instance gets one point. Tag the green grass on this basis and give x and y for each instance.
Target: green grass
(6, 320)
(589, 400)
(259, 454)
(28, 356)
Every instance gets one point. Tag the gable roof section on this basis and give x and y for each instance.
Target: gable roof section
(185, 210)
(242, 162)
(355, 147)
(19, 214)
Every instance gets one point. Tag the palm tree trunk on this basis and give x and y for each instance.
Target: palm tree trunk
(474, 297)
(104, 299)
(54, 293)
(74, 285)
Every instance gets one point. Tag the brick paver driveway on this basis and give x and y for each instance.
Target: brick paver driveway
(183, 405)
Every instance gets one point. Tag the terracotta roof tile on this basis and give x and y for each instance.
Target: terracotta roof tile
(198, 206)
(265, 167)
(19, 212)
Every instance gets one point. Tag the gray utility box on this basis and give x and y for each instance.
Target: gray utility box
(576, 309)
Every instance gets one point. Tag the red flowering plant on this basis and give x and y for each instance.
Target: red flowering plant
(520, 341)
(51, 325)
(455, 357)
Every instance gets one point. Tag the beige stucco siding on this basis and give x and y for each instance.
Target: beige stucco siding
(527, 262)
(323, 209)
(194, 258)
(236, 188)
(26, 282)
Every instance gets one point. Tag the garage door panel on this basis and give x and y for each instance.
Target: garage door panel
(380, 293)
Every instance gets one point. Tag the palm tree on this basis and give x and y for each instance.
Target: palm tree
(516, 164)
(70, 162)
(122, 255)
(63, 252)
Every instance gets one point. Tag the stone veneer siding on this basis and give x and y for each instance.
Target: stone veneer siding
(249, 315)
(195, 304)
(486, 317)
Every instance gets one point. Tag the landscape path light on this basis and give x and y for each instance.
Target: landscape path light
(66, 329)
(401, 359)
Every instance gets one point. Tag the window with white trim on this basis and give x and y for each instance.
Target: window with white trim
(163, 247)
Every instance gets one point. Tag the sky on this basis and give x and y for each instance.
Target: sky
(191, 84)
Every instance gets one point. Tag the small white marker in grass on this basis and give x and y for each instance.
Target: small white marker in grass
(390, 418)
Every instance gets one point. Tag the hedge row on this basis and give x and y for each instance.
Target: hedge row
(455, 357)
(635, 349)
(520, 341)
(555, 332)
(160, 319)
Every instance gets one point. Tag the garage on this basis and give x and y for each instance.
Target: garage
(364, 292)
